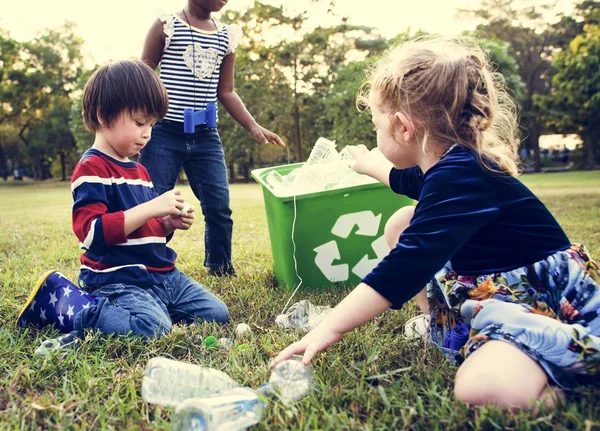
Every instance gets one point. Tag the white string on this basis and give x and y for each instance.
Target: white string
(295, 261)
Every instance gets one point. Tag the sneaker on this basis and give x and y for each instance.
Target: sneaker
(417, 327)
(220, 272)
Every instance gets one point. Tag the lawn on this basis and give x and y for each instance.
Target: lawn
(371, 380)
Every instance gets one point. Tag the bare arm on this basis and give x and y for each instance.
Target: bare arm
(154, 45)
(360, 306)
(371, 163)
(234, 105)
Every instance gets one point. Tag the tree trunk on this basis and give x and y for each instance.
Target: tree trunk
(231, 168)
(297, 114)
(588, 151)
(534, 143)
(63, 165)
(3, 164)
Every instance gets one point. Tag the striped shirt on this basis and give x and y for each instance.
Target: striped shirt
(189, 83)
(103, 188)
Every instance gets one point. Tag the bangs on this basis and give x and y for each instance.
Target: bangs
(126, 86)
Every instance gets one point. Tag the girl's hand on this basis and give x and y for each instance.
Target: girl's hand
(182, 222)
(317, 340)
(265, 136)
(365, 161)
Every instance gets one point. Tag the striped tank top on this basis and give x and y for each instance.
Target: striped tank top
(190, 64)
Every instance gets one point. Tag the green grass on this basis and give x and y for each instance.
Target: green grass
(98, 385)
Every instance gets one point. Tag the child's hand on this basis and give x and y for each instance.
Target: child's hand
(317, 340)
(265, 136)
(168, 204)
(182, 221)
(365, 161)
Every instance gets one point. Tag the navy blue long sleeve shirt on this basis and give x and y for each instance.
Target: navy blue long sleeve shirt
(482, 222)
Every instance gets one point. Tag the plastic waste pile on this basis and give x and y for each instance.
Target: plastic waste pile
(325, 169)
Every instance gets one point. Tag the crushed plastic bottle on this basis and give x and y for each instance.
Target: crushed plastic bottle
(65, 341)
(240, 408)
(168, 383)
(303, 314)
(291, 380)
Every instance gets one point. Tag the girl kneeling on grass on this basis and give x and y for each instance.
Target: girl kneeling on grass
(509, 297)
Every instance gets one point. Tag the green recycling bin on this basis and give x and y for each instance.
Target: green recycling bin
(327, 238)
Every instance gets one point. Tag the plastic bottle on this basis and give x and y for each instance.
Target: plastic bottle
(303, 314)
(323, 151)
(290, 380)
(236, 409)
(240, 408)
(65, 341)
(168, 383)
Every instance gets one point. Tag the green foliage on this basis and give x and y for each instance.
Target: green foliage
(574, 103)
(37, 79)
(372, 380)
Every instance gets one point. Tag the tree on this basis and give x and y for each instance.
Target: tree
(574, 102)
(525, 26)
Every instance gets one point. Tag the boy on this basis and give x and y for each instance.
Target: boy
(128, 272)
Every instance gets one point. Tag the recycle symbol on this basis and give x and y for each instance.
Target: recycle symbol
(368, 225)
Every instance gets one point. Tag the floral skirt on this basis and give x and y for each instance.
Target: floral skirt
(548, 310)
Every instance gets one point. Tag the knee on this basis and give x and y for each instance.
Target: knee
(397, 223)
(149, 326)
(485, 388)
(219, 313)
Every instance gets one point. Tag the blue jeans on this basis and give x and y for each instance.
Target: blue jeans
(202, 158)
(150, 311)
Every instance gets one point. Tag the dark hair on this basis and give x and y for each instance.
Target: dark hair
(123, 86)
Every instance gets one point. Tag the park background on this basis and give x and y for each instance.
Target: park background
(299, 78)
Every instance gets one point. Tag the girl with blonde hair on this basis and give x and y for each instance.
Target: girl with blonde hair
(509, 298)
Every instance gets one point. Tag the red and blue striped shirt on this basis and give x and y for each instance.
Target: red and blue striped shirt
(103, 188)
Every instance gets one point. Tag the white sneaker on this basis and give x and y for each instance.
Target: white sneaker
(417, 327)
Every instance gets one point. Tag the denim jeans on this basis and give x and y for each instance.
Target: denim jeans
(203, 160)
(150, 311)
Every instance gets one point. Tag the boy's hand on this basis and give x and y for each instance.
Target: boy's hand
(265, 136)
(181, 221)
(168, 204)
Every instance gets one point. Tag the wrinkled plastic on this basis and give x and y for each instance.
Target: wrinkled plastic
(325, 169)
(291, 380)
(303, 314)
(233, 410)
(168, 383)
(65, 341)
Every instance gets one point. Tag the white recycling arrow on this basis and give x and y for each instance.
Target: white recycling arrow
(366, 265)
(368, 224)
(326, 254)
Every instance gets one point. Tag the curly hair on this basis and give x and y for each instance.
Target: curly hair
(447, 89)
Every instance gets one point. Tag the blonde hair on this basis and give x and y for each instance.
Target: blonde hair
(446, 88)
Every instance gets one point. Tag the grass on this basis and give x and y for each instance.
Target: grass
(371, 380)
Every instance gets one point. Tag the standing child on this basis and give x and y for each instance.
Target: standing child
(128, 274)
(197, 58)
(509, 297)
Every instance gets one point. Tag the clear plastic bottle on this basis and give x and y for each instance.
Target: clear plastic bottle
(290, 379)
(168, 383)
(65, 341)
(240, 408)
(303, 314)
(236, 409)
